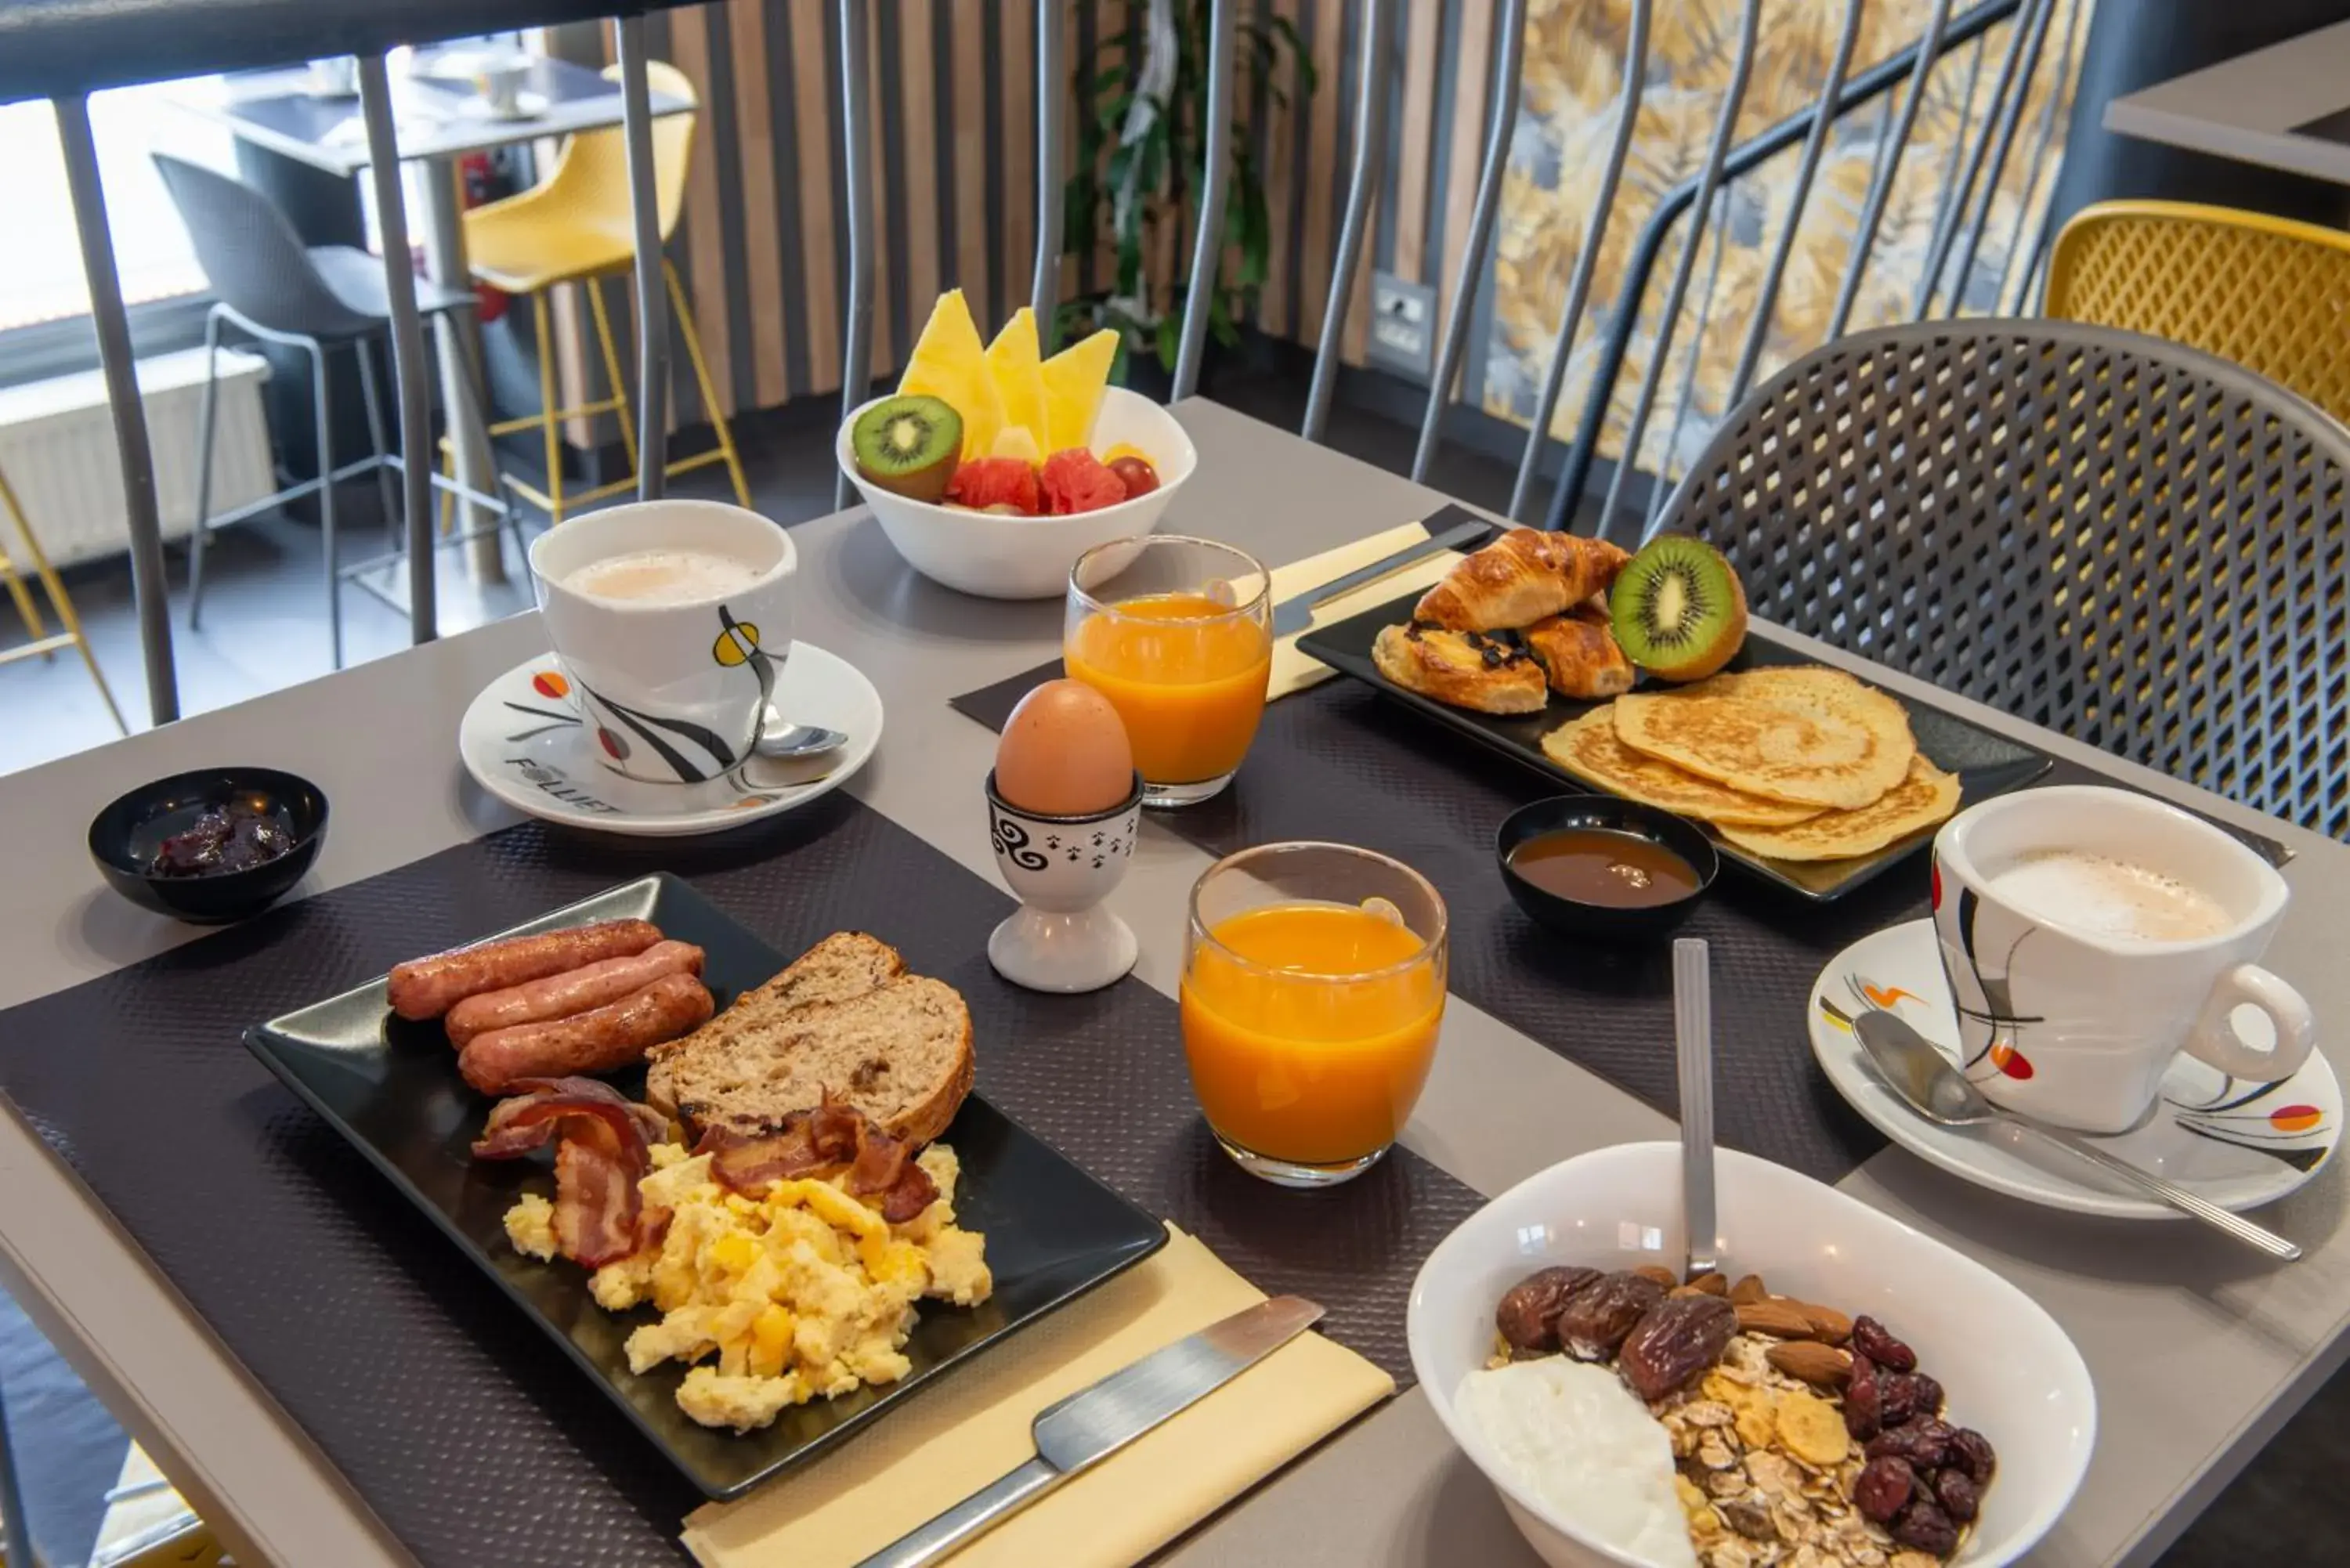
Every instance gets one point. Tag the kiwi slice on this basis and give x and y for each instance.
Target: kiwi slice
(1677, 609)
(908, 446)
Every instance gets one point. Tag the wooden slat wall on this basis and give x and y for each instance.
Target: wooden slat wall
(762, 248)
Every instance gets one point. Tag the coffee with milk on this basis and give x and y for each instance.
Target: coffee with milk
(2099, 895)
(663, 577)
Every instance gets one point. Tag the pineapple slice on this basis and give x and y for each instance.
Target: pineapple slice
(950, 363)
(1073, 382)
(1013, 360)
(1018, 440)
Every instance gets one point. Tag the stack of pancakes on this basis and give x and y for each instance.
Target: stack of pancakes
(1800, 763)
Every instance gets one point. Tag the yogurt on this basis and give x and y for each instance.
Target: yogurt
(1572, 1436)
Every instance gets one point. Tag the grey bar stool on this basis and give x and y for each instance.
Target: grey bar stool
(269, 286)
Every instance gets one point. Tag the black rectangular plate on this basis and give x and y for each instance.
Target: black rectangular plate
(391, 1089)
(1987, 764)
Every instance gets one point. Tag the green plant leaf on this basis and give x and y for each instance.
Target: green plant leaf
(1170, 339)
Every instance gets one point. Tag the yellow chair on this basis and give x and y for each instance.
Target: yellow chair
(42, 641)
(2271, 294)
(574, 226)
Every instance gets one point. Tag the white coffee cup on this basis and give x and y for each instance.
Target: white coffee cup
(2090, 935)
(677, 685)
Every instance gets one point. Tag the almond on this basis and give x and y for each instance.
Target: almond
(1711, 1283)
(1749, 1289)
(1779, 1320)
(1663, 1275)
(1827, 1324)
(1821, 1366)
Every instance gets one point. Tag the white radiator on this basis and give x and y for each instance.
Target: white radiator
(57, 447)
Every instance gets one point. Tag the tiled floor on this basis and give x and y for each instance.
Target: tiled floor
(265, 627)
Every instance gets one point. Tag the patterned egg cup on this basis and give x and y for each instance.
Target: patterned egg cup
(1061, 869)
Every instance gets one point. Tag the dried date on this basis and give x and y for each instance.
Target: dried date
(1750, 1517)
(1926, 1444)
(1864, 1413)
(1528, 1316)
(1674, 1342)
(1883, 1488)
(1872, 1339)
(1599, 1312)
(1972, 1451)
(1956, 1493)
(1925, 1526)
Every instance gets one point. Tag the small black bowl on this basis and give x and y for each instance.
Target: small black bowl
(1610, 813)
(127, 836)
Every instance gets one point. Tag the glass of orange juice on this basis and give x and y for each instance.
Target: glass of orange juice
(1178, 634)
(1313, 981)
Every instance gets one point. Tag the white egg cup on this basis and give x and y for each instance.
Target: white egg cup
(1061, 869)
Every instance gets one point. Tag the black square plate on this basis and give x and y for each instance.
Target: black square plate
(391, 1089)
(1987, 764)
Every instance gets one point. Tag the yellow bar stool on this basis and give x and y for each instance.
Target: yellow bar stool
(574, 226)
(2271, 294)
(41, 640)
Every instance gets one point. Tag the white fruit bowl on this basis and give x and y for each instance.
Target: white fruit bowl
(2006, 1368)
(1000, 557)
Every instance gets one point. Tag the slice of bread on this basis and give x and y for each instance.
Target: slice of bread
(844, 1019)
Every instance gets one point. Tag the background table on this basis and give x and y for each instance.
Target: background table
(2200, 1351)
(437, 122)
(2254, 109)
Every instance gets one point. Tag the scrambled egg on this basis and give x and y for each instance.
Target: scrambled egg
(805, 1294)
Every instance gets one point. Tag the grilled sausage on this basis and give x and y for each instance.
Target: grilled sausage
(597, 1041)
(572, 992)
(429, 987)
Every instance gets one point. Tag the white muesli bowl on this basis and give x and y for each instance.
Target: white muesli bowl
(2005, 1366)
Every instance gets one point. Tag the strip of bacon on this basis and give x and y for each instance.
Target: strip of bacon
(601, 1156)
(823, 1142)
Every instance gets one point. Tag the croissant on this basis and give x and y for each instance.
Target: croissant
(1519, 578)
(1580, 653)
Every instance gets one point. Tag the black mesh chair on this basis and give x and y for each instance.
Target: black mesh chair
(267, 284)
(2124, 539)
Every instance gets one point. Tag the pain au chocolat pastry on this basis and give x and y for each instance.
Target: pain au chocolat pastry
(1465, 668)
(1580, 653)
(1518, 579)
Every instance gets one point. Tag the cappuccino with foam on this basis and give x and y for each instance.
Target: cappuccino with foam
(663, 577)
(2099, 895)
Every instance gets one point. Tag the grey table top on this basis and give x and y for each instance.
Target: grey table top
(2200, 1351)
(434, 116)
(2256, 108)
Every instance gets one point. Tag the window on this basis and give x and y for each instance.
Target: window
(40, 267)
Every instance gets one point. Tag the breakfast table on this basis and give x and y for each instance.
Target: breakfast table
(2199, 1349)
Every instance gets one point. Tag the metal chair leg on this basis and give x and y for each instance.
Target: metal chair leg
(59, 600)
(201, 535)
(326, 501)
(391, 516)
(16, 1529)
(547, 406)
(701, 379)
(1044, 292)
(35, 629)
(644, 213)
(1370, 158)
(1208, 241)
(857, 148)
(594, 289)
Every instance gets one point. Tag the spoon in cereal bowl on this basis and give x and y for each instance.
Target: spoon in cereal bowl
(1693, 1053)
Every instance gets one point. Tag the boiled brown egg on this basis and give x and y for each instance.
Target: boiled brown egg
(1064, 753)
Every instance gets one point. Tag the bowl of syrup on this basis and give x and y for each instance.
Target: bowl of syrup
(1594, 865)
(211, 846)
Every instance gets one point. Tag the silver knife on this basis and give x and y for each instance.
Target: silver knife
(1295, 614)
(1080, 1431)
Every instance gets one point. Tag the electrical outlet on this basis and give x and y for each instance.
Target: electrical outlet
(1403, 326)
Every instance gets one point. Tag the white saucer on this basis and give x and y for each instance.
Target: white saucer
(524, 740)
(2238, 1143)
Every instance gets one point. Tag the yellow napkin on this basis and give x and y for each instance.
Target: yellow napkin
(953, 1439)
(1294, 671)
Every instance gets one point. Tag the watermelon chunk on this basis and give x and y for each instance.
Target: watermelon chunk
(993, 483)
(1076, 481)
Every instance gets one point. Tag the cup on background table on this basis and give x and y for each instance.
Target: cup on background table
(1177, 633)
(1314, 984)
(2090, 935)
(671, 618)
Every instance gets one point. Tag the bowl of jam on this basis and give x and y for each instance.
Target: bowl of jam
(211, 846)
(1594, 865)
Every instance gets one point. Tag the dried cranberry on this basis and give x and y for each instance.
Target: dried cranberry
(1863, 1409)
(1956, 1493)
(1528, 1315)
(1973, 1450)
(1870, 1338)
(1883, 1488)
(1926, 1444)
(1925, 1526)
(1907, 1395)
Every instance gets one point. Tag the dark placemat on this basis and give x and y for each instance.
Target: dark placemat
(1341, 763)
(467, 1432)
